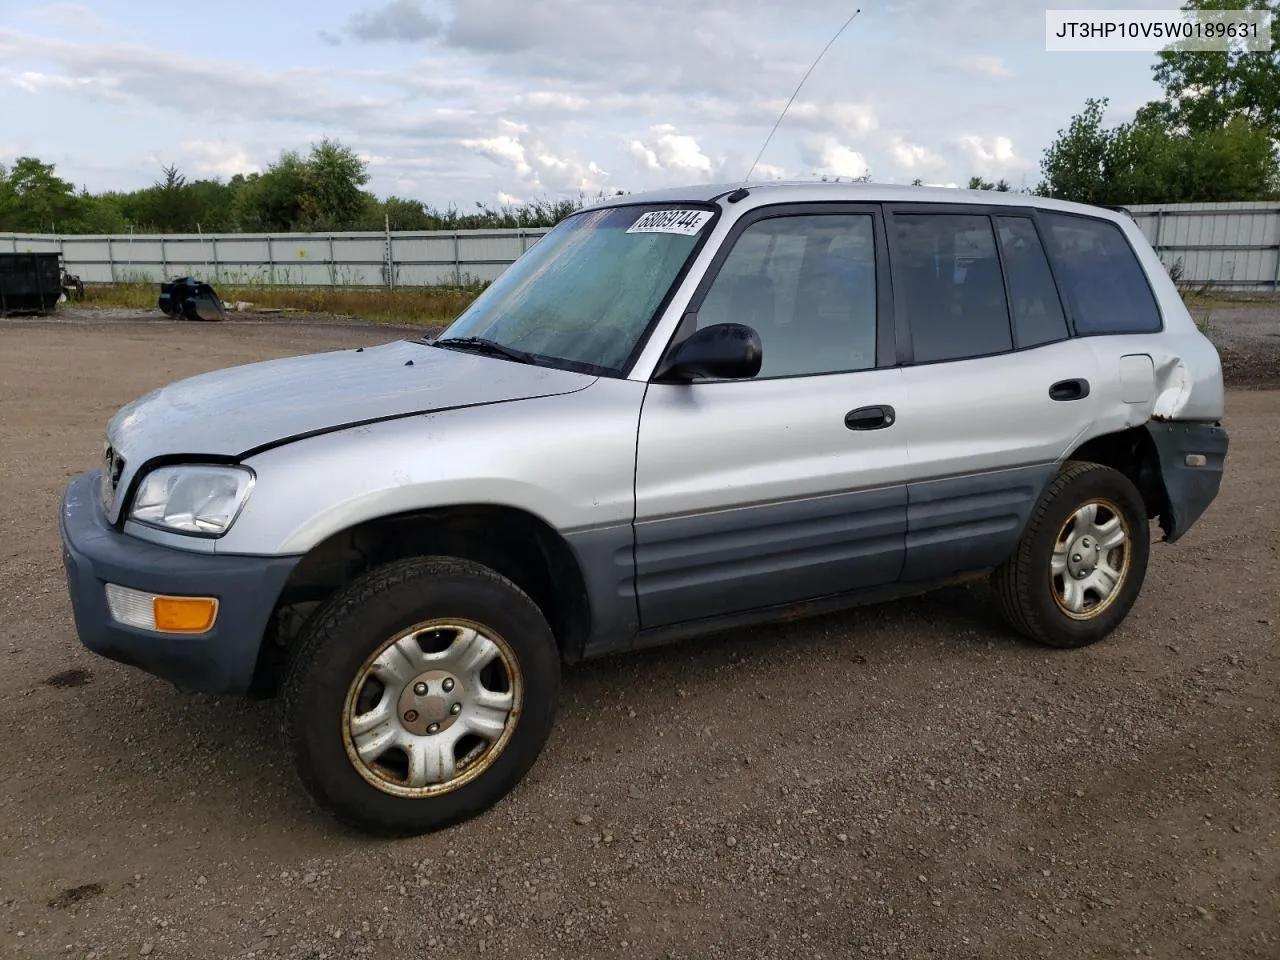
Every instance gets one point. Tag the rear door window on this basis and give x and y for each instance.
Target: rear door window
(1038, 317)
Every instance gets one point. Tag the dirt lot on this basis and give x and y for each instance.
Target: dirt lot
(907, 780)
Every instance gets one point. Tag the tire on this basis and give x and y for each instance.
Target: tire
(437, 613)
(1041, 604)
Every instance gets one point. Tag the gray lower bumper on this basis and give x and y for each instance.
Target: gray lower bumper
(219, 661)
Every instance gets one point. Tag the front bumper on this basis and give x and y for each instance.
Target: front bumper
(221, 660)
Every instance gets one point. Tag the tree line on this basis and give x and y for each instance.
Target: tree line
(320, 191)
(1214, 135)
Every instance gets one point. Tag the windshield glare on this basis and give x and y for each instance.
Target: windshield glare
(587, 291)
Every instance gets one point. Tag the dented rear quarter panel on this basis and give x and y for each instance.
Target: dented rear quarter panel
(1184, 373)
(1188, 370)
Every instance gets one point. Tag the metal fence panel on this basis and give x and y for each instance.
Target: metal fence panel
(1233, 245)
(1230, 245)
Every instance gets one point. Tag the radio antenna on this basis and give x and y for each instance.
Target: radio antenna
(794, 95)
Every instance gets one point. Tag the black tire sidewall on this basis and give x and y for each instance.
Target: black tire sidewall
(1058, 629)
(359, 622)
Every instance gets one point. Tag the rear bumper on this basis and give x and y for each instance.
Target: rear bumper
(1190, 489)
(221, 660)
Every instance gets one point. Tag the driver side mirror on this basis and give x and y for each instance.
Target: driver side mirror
(722, 351)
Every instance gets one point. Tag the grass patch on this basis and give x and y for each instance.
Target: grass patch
(424, 306)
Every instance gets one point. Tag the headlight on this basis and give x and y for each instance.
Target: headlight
(202, 500)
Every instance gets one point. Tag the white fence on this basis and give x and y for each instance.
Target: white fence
(290, 259)
(1230, 245)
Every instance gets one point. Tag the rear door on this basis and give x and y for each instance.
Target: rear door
(997, 391)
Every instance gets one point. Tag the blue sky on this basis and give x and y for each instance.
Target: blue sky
(453, 101)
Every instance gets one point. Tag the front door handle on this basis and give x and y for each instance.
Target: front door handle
(870, 418)
(1069, 390)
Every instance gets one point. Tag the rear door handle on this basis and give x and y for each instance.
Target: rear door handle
(1069, 390)
(870, 418)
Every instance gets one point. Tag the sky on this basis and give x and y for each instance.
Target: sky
(459, 101)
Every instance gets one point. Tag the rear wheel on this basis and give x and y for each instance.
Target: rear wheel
(421, 696)
(1082, 559)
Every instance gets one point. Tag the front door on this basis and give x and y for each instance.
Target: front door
(791, 485)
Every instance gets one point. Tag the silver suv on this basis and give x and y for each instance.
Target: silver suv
(678, 413)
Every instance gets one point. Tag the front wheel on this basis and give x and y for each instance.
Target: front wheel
(420, 696)
(1081, 562)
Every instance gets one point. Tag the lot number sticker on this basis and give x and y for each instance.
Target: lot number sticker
(684, 222)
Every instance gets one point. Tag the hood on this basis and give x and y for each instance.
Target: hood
(228, 413)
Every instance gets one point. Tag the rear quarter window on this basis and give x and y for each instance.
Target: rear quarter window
(1101, 276)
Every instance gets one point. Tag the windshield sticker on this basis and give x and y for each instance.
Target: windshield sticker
(684, 222)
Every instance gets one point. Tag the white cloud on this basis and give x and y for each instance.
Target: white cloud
(34, 81)
(73, 17)
(669, 151)
(216, 158)
(911, 156)
(477, 97)
(507, 200)
(402, 20)
(985, 67)
(539, 167)
(850, 119)
(552, 101)
(992, 153)
(829, 157)
(135, 75)
(503, 149)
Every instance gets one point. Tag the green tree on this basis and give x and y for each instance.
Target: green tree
(1148, 161)
(322, 190)
(1204, 89)
(177, 205)
(96, 214)
(1074, 165)
(1235, 161)
(169, 206)
(213, 204)
(333, 175)
(978, 183)
(319, 192)
(272, 200)
(401, 213)
(34, 198)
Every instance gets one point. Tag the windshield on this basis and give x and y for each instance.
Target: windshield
(586, 292)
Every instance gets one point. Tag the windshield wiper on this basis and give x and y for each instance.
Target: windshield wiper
(491, 347)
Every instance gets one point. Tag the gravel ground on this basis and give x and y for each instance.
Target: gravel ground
(907, 780)
(1247, 334)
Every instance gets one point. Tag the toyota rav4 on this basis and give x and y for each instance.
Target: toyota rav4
(678, 413)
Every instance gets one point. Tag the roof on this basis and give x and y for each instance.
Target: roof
(811, 191)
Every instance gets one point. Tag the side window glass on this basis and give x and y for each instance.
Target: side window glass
(807, 284)
(949, 278)
(1037, 310)
(1108, 288)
